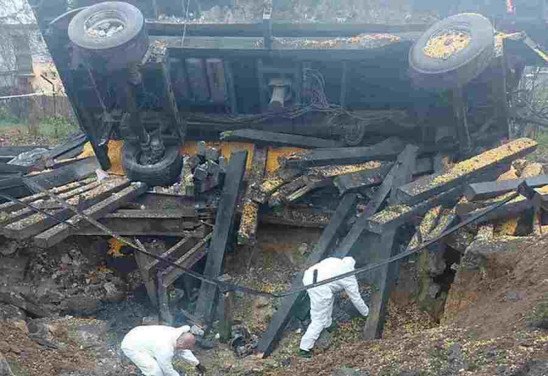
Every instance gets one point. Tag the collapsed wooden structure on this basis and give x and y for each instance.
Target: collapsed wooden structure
(383, 189)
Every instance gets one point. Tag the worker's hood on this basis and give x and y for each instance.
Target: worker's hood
(349, 263)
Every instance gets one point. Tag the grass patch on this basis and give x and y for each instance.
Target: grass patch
(56, 128)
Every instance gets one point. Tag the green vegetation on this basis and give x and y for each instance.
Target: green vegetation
(8, 120)
(56, 128)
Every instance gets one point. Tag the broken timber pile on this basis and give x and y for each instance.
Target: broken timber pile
(372, 236)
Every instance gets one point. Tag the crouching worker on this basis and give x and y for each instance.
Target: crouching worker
(322, 297)
(151, 348)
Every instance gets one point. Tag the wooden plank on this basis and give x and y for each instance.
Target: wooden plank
(187, 261)
(149, 282)
(399, 214)
(223, 225)
(399, 172)
(14, 169)
(61, 231)
(485, 190)
(9, 207)
(385, 150)
(266, 138)
(74, 143)
(250, 211)
(511, 209)
(362, 179)
(465, 171)
(181, 247)
(330, 235)
(383, 247)
(47, 203)
(38, 222)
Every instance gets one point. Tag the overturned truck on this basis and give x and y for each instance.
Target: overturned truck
(155, 84)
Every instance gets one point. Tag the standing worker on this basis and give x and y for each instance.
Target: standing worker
(151, 348)
(322, 297)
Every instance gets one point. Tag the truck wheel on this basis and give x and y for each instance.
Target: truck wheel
(164, 172)
(112, 31)
(353, 133)
(452, 52)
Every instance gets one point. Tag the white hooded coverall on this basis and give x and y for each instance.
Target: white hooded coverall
(151, 348)
(322, 297)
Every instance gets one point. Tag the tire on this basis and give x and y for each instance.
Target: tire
(163, 173)
(116, 51)
(353, 133)
(462, 66)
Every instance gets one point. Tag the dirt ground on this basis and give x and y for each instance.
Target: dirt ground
(498, 334)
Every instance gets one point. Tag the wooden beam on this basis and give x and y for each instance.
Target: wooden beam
(61, 231)
(38, 222)
(361, 179)
(400, 172)
(9, 207)
(250, 211)
(465, 172)
(396, 215)
(223, 225)
(385, 150)
(383, 247)
(47, 203)
(330, 235)
(508, 210)
(491, 189)
(266, 138)
(187, 260)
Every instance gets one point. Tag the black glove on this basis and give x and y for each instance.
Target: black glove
(201, 369)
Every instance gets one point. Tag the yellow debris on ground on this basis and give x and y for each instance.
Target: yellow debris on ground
(115, 247)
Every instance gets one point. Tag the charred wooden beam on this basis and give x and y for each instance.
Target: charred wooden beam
(396, 215)
(64, 149)
(485, 190)
(465, 171)
(177, 250)
(361, 179)
(330, 235)
(382, 246)
(47, 203)
(282, 139)
(9, 207)
(187, 260)
(14, 169)
(38, 222)
(61, 231)
(385, 150)
(272, 183)
(512, 208)
(250, 210)
(400, 172)
(223, 225)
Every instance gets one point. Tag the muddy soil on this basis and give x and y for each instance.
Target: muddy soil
(502, 333)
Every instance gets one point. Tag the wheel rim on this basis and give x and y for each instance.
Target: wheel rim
(104, 24)
(448, 42)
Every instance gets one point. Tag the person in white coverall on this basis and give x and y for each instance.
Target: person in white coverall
(151, 348)
(322, 297)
